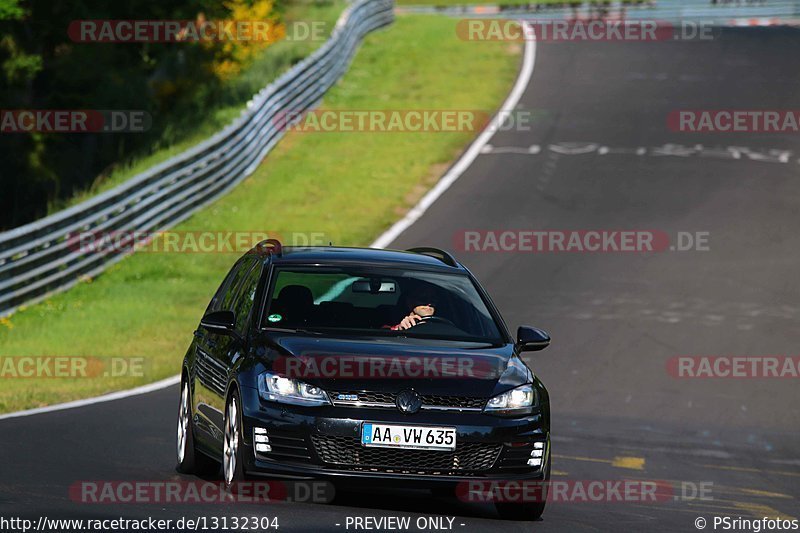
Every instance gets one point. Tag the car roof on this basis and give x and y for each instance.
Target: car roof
(338, 255)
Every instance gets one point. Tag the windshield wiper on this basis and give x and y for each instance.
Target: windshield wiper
(295, 330)
(308, 331)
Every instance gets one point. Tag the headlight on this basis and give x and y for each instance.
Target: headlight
(516, 401)
(280, 389)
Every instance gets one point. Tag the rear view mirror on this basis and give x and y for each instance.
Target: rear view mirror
(530, 339)
(219, 322)
(374, 286)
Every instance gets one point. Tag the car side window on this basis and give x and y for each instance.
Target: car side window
(246, 296)
(232, 290)
(216, 302)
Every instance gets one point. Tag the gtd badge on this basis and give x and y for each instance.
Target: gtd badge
(347, 397)
(408, 401)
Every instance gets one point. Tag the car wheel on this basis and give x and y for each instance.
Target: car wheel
(526, 510)
(190, 461)
(232, 463)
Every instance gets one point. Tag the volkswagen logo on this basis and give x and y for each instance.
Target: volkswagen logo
(408, 401)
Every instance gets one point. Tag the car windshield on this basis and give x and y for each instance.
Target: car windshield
(375, 302)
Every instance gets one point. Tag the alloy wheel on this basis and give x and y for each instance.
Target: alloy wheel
(231, 441)
(183, 423)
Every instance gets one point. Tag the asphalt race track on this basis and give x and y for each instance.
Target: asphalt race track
(598, 156)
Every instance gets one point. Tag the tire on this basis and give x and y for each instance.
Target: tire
(232, 460)
(526, 510)
(190, 460)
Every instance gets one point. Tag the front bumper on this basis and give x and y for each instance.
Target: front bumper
(325, 443)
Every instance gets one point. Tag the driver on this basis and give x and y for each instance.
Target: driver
(422, 303)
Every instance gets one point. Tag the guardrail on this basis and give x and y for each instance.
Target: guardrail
(721, 12)
(40, 258)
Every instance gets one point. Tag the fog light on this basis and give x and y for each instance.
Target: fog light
(537, 453)
(264, 448)
(534, 462)
(538, 445)
(262, 438)
(259, 431)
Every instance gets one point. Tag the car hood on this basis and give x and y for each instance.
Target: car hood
(381, 365)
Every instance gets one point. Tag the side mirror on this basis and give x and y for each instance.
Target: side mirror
(530, 339)
(220, 322)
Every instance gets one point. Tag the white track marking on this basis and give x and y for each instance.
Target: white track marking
(152, 387)
(528, 62)
(580, 148)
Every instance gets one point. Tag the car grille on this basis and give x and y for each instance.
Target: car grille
(348, 451)
(428, 401)
(364, 397)
(289, 447)
(463, 402)
(286, 447)
(516, 458)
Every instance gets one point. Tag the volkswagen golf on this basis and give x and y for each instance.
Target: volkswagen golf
(360, 365)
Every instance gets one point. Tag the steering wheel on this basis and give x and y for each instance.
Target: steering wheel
(439, 319)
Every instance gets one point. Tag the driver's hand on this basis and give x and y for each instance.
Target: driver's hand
(409, 321)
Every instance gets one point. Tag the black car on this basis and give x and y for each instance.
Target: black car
(360, 365)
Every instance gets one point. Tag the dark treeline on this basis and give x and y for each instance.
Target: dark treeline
(44, 69)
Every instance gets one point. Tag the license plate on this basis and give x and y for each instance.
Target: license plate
(409, 437)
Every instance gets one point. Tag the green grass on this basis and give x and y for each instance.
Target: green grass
(270, 64)
(349, 186)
